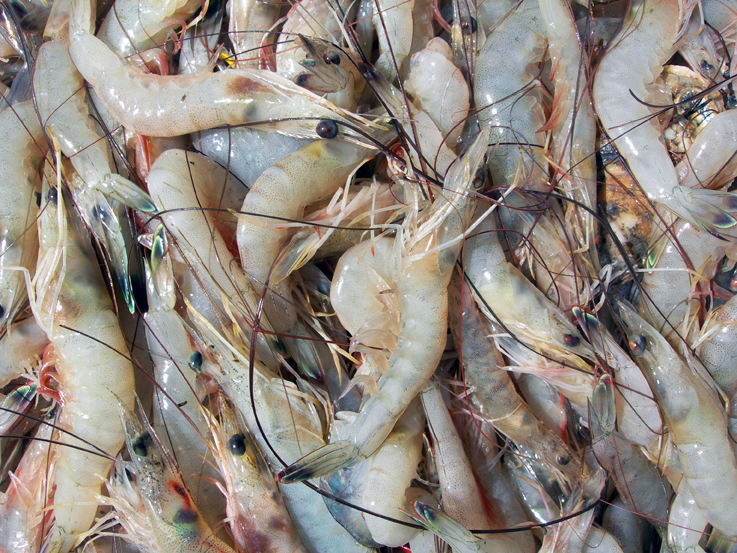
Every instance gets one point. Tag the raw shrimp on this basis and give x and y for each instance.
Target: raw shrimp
(257, 515)
(156, 105)
(438, 88)
(59, 93)
(633, 61)
(705, 165)
(494, 397)
(158, 513)
(640, 485)
(393, 24)
(695, 419)
(23, 150)
(248, 24)
(22, 504)
(288, 418)
(177, 416)
(421, 272)
(20, 349)
(93, 368)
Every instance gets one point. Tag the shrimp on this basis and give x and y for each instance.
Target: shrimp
(394, 27)
(432, 70)
(155, 105)
(23, 150)
(639, 484)
(288, 418)
(93, 368)
(20, 349)
(135, 29)
(21, 506)
(633, 61)
(248, 24)
(167, 518)
(706, 166)
(421, 282)
(685, 522)
(695, 419)
(59, 93)
(494, 397)
(257, 515)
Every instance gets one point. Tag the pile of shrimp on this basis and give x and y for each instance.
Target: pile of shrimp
(368, 275)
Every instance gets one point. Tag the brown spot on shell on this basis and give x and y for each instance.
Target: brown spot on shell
(241, 86)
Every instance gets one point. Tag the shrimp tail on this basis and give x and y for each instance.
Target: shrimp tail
(15, 404)
(325, 460)
(710, 210)
(121, 189)
(602, 408)
(323, 74)
(445, 527)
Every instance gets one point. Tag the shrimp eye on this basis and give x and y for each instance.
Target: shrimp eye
(140, 446)
(469, 26)
(637, 344)
(332, 58)
(52, 195)
(237, 445)
(195, 361)
(571, 340)
(562, 460)
(327, 128)
(301, 79)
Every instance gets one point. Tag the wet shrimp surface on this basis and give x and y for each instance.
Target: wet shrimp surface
(347, 276)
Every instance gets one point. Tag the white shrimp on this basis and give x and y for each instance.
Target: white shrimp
(155, 105)
(24, 148)
(393, 24)
(633, 61)
(421, 278)
(695, 419)
(93, 368)
(248, 24)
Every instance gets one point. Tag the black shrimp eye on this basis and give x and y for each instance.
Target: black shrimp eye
(140, 445)
(52, 195)
(332, 58)
(195, 361)
(562, 460)
(469, 26)
(237, 445)
(637, 344)
(327, 128)
(571, 340)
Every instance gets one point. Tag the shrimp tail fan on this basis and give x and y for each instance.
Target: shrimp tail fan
(710, 210)
(445, 527)
(322, 461)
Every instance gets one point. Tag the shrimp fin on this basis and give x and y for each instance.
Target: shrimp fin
(445, 527)
(322, 461)
(710, 210)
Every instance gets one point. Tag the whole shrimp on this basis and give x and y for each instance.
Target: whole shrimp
(633, 61)
(155, 105)
(696, 421)
(257, 515)
(421, 278)
(158, 511)
(20, 160)
(92, 364)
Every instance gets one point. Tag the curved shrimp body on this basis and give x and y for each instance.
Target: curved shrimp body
(93, 368)
(155, 105)
(59, 92)
(695, 419)
(705, 165)
(20, 159)
(634, 60)
(21, 516)
(173, 183)
(133, 29)
(257, 515)
(573, 144)
(494, 397)
(506, 96)
(421, 278)
(503, 293)
(280, 194)
(248, 23)
(172, 521)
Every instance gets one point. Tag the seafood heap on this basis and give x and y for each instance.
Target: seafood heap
(331, 276)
